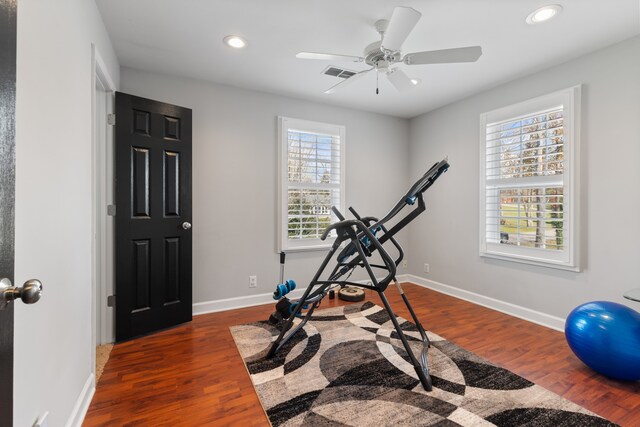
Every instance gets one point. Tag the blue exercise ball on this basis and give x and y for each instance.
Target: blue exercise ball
(606, 337)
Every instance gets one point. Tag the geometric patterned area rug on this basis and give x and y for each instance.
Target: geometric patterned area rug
(348, 368)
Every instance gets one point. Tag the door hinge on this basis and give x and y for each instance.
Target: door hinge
(111, 210)
(111, 301)
(111, 119)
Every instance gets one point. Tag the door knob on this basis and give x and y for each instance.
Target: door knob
(186, 225)
(29, 293)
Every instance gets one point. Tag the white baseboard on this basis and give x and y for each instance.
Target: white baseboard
(238, 302)
(524, 313)
(401, 278)
(82, 404)
(246, 301)
(533, 316)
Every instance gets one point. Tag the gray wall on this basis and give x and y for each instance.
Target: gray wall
(447, 238)
(53, 338)
(235, 176)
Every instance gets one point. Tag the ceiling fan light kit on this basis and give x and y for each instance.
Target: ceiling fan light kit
(385, 55)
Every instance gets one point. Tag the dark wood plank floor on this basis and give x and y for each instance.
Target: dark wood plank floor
(192, 375)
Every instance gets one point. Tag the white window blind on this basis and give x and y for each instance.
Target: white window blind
(312, 168)
(525, 160)
(527, 206)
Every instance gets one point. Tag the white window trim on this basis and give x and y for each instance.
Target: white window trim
(570, 99)
(284, 123)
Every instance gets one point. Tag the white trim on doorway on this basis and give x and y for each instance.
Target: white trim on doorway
(102, 103)
(83, 401)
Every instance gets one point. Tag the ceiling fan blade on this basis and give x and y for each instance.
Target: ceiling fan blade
(328, 57)
(401, 23)
(346, 82)
(399, 79)
(444, 56)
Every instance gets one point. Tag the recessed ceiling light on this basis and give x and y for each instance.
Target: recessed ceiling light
(544, 14)
(236, 42)
(416, 82)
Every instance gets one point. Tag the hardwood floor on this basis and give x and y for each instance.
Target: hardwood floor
(192, 375)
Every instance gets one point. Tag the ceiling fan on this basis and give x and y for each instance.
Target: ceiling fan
(383, 54)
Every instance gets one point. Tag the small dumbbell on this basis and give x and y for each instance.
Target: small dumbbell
(284, 288)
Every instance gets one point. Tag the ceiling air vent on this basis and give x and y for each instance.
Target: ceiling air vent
(338, 72)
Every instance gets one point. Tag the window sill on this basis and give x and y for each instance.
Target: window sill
(306, 249)
(531, 261)
(312, 245)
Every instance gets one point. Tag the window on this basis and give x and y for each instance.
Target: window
(311, 165)
(528, 174)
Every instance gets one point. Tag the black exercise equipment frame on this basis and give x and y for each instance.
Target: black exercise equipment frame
(361, 234)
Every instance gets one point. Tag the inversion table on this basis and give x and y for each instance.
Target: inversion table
(363, 236)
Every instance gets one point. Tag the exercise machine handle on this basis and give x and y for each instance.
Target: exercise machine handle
(339, 224)
(354, 213)
(282, 256)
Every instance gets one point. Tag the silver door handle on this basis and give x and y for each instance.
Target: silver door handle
(29, 293)
(186, 225)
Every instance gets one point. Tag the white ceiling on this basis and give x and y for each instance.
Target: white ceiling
(184, 38)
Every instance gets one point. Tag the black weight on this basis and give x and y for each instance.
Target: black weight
(283, 307)
(275, 318)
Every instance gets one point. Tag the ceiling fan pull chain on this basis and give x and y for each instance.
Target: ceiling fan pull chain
(377, 91)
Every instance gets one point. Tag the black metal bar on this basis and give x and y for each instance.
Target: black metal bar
(367, 266)
(300, 304)
(282, 259)
(337, 213)
(423, 334)
(355, 214)
(283, 341)
(378, 266)
(421, 371)
(395, 243)
(345, 283)
(335, 270)
(404, 221)
(276, 344)
(424, 356)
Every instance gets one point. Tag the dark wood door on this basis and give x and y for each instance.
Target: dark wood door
(153, 215)
(7, 196)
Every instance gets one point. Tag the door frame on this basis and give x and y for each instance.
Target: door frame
(8, 144)
(102, 225)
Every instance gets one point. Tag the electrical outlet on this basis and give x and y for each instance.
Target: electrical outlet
(426, 267)
(253, 281)
(404, 264)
